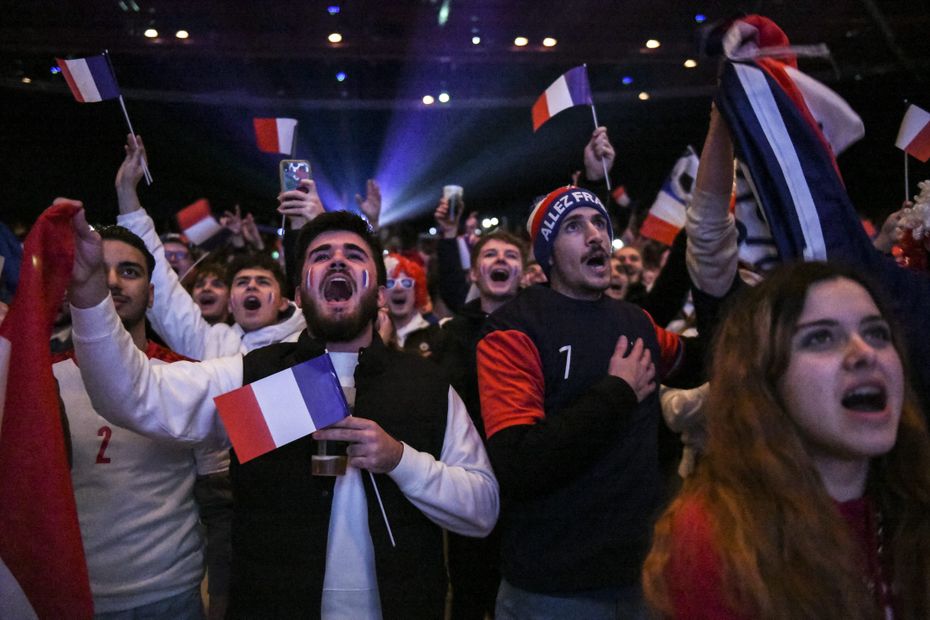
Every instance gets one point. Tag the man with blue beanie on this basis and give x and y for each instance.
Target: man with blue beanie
(568, 382)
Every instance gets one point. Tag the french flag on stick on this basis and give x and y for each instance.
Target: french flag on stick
(90, 79)
(198, 223)
(282, 407)
(571, 89)
(667, 215)
(914, 134)
(275, 135)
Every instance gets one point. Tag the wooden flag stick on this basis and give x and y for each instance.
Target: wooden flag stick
(603, 161)
(907, 184)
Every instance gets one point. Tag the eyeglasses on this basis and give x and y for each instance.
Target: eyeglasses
(403, 282)
(177, 255)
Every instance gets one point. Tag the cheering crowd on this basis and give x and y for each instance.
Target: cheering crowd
(541, 426)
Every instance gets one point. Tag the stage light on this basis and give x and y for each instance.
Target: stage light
(652, 44)
(432, 230)
(476, 40)
(335, 37)
(26, 80)
(643, 96)
(486, 222)
(700, 18)
(495, 221)
(616, 244)
(333, 9)
(521, 41)
(150, 33)
(341, 76)
(444, 97)
(54, 70)
(627, 80)
(428, 100)
(549, 42)
(690, 63)
(182, 34)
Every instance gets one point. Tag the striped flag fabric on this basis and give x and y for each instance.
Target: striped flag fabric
(197, 222)
(90, 79)
(283, 407)
(914, 134)
(275, 135)
(666, 217)
(571, 89)
(42, 563)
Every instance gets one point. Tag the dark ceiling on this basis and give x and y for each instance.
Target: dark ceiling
(193, 99)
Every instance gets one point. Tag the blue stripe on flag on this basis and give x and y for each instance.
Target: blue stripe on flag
(578, 86)
(104, 79)
(320, 389)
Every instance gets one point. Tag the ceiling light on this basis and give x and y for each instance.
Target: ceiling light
(428, 100)
(616, 244)
(549, 42)
(690, 63)
(652, 44)
(521, 41)
(182, 34)
(333, 9)
(444, 97)
(150, 33)
(432, 230)
(700, 18)
(54, 69)
(643, 96)
(627, 80)
(26, 80)
(486, 222)
(476, 40)
(341, 76)
(335, 38)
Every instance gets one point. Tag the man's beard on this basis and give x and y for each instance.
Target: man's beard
(346, 327)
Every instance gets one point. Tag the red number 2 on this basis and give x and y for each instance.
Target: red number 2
(105, 432)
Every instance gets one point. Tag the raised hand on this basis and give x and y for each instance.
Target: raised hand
(302, 204)
(598, 155)
(370, 205)
(130, 172)
(88, 278)
(448, 225)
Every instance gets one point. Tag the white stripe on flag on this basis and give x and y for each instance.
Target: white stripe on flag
(773, 125)
(285, 127)
(4, 369)
(283, 407)
(84, 80)
(915, 119)
(203, 230)
(668, 209)
(558, 97)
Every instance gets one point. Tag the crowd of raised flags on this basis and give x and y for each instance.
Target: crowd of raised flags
(787, 129)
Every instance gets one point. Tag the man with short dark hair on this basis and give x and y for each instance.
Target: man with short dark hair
(134, 495)
(568, 397)
(305, 545)
(210, 291)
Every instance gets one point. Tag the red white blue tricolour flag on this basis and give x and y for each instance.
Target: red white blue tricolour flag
(914, 134)
(283, 407)
(197, 222)
(667, 215)
(90, 79)
(571, 89)
(275, 135)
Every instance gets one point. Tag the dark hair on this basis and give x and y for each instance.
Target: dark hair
(256, 261)
(119, 233)
(504, 237)
(210, 266)
(345, 221)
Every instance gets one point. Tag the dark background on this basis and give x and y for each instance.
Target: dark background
(193, 100)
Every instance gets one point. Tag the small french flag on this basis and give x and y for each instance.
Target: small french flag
(197, 222)
(282, 407)
(90, 79)
(275, 135)
(571, 89)
(914, 134)
(667, 215)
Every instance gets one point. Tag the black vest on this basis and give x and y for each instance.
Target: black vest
(281, 513)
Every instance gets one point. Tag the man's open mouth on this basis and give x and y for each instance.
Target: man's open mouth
(500, 274)
(596, 259)
(251, 303)
(337, 288)
(206, 299)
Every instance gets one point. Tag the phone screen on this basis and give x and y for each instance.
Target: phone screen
(292, 172)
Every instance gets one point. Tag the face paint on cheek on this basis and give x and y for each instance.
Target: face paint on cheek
(270, 298)
(365, 279)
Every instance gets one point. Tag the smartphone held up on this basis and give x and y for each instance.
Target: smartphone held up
(292, 172)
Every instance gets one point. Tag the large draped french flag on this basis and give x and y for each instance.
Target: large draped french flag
(786, 128)
(42, 568)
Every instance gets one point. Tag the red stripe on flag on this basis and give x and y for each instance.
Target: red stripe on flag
(63, 65)
(266, 135)
(658, 229)
(540, 112)
(920, 145)
(244, 423)
(193, 213)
